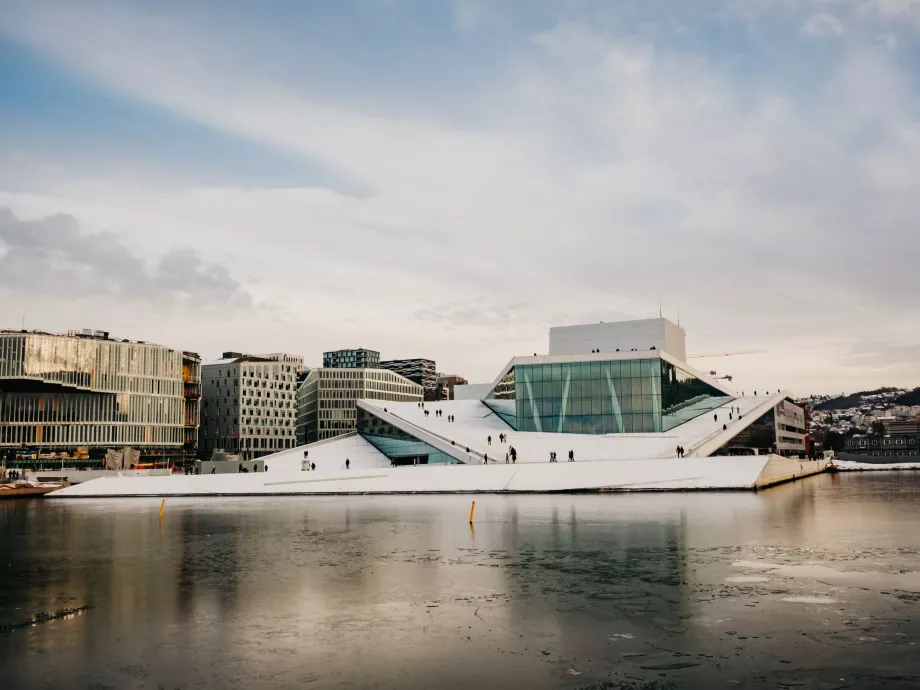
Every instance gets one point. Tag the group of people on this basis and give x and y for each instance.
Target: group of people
(502, 438)
(437, 413)
(553, 458)
(306, 464)
(680, 451)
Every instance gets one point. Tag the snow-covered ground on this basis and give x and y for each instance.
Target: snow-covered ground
(851, 466)
(636, 475)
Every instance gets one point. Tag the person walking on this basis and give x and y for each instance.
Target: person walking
(715, 417)
(485, 459)
(347, 463)
(313, 466)
(677, 450)
(513, 454)
(489, 440)
(507, 458)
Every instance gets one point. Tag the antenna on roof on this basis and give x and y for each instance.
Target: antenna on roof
(659, 307)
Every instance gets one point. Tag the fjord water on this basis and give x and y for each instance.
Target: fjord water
(814, 584)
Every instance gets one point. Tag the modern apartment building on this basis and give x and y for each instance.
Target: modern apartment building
(248, 405)
(326, 401)
(351, 359)
(420, 371)
(79, 394)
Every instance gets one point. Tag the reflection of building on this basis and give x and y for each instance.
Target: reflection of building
(326, 404)
(446, 383)
(248, 405)
(420, 371)
(85, 392)
(351, 359)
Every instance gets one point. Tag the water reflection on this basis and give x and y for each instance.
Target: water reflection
(550, 591)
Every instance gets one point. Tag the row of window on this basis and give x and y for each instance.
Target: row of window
(91, 407)
(862, 443)
(100, 365)
(90, 435)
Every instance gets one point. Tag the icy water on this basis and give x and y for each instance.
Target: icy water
(808, 585)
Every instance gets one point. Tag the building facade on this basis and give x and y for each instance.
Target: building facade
(420, 371)
(79, 394)
(630, 392)
(446, 383)
(326, 400)
(286, 358)
(351, 359)
(191, 392)
(248, 406)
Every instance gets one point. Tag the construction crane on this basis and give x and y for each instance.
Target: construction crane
(725, 354)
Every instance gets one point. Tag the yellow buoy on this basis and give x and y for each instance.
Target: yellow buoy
(162, 508)
(472, 510)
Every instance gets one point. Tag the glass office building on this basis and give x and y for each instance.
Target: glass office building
(85, 390)
(326, 405)
(607, 396)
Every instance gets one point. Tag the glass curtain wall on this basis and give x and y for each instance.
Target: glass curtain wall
(603, 397)
(396, 444)
(61, 391)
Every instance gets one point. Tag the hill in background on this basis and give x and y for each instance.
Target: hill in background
(844, 402)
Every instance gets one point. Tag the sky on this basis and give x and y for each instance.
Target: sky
(448, 179)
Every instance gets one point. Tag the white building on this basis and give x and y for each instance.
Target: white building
(634, 420)
(619, 336)
(248, 405)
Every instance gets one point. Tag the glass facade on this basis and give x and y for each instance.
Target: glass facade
(602, 397)
(326, 405)
(67, 392)
(400, 447)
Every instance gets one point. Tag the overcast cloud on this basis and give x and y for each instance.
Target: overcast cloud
(456, 182)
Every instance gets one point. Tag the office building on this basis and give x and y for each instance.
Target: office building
(327, 399)
(351, 359)
(420, 371)
(446, 383)
(248, 405)
(77, 395)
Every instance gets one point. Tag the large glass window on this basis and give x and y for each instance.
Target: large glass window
(623, 396)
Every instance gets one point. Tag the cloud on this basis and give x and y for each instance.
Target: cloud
(598, 167)
(822, 25)
(55, 257)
